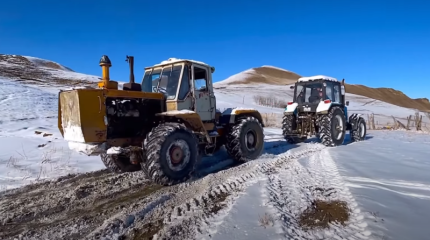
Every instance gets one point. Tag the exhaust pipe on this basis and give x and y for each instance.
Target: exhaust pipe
(131, 85)
(130, 60)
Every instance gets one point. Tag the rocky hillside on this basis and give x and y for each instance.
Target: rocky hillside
(278, 76)
(31, 70)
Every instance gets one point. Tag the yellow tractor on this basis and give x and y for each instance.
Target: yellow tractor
(162, 126)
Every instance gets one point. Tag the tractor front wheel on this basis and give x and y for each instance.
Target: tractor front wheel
(360, 133)
(288, 126)
(245, 139)
(171, 154)
(118, 163)
(332, 127)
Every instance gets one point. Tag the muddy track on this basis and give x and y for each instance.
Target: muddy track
(102, 205)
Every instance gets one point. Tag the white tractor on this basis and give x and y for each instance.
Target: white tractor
(319, 109)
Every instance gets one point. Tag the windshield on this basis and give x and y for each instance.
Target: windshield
(309, 93)
(162, 80)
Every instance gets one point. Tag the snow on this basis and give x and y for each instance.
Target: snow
(242, 95)
(183, 111)
(176, 60)
(317, 77)
(239, 77)
(73, 133)
(384, 177)
(389, 175)
(42, 62)
(28, 153)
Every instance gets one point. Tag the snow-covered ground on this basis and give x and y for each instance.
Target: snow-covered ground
(242, 95)
(26, 155)
(384, 179)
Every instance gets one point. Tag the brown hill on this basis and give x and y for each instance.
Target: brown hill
(31, 70)
(389, 95)
(264, 74)
(279, 76)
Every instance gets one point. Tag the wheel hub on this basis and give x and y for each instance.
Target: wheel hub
(176, 155)
(338, 129)
(250, 140)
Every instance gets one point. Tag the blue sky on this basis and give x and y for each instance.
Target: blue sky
(375, 43)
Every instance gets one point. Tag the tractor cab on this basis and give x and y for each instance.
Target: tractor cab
(186, 84)
(318, 90)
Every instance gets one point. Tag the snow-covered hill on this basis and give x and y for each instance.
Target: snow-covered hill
(41, 72)
(383, 177)
(234, 92)
(269, 75)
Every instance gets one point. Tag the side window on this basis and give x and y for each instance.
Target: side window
(155, 77)
(329, 91)
(200, 79)
(185, 84)
(336, 93)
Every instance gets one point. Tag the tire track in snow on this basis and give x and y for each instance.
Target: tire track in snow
(292, 190)
(197, 208)
(23, 103)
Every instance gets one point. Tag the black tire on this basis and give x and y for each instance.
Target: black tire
(237, 145)
(118, 163)
(288, 126)
(329, 134)
(360, 133)
(159, 142)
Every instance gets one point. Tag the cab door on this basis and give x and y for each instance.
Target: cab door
(201, 90)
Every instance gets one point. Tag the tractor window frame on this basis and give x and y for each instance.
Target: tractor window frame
(206, 87)
(338, 96)
(185, 86)
(329, 88)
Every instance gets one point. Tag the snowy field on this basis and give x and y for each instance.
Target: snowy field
(384, 179)
(243, 95)
(31, 146)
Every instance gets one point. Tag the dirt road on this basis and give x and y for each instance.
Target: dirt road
(102, 205)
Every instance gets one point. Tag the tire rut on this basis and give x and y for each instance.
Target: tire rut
(293, 189)
(102, 205)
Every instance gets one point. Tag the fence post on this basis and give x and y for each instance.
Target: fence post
(409, 121)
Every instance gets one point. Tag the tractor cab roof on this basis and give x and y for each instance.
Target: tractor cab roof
(317, 77)
(178, 60)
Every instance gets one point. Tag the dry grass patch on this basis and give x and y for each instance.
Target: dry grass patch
(321, 213)
(272, 119)
(266, 220)
(270, 101)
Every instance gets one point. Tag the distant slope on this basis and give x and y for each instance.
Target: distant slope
(264, 74)
(278, 76)
(389, 95)
(32, 70)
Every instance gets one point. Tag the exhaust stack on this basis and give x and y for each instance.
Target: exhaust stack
(131, 85)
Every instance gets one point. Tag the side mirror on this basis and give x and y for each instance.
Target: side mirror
(291, 87)
(347, 103)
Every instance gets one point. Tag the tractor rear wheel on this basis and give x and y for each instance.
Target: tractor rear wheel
(332, 127)
(118, 163)
(360, 133)
(245, 139)
(171, 154)
(288, 126)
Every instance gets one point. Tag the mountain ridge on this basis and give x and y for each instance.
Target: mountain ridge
(33, 70)
(278, 76)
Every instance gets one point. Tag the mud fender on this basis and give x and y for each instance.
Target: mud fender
(290, 109)
(230, 115)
